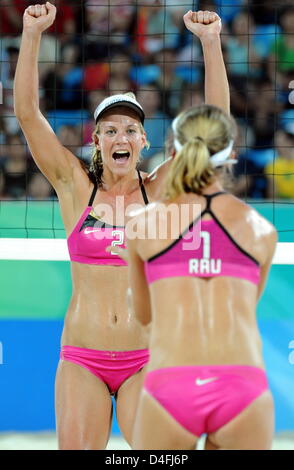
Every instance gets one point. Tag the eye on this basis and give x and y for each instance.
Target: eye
(110, 132)
(131, 131)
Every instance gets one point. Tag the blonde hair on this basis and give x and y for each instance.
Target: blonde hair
(96, 164)
(202, 131)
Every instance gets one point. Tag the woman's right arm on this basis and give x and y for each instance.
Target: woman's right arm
(55, 161)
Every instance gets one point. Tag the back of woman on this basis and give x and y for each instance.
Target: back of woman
(203, 315)
(199, 282)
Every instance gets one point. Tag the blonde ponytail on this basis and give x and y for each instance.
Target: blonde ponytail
(190, 170)
(199, 133)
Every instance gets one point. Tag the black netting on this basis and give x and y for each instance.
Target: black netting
(99, 47)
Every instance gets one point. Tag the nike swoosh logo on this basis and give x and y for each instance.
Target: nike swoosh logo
(205, 381)
(91, 230)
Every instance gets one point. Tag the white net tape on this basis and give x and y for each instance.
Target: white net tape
(53, 249)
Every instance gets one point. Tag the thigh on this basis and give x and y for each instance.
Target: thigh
(155, 428)
(83, 408)
(252, 429)
(127, 403)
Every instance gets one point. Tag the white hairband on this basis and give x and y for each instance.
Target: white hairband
(218, 159)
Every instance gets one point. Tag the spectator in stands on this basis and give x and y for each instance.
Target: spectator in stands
(65, 25)
(108, 28)
(2, 185)
(71, 137)
(265, 12)
(170, 81)
(88, 126)
(120, 67)
(3, 134)
(192, 96)
(14, 167)
(156, 28)
(39, 188)
(9, 120)
(96, 76)
(280, 173)
(156, 122)
(11, 17)
(63, 86)
(12, 13)
(282, 57)
(265, 107)
(245, 170)
(163, 72)
(244, 59)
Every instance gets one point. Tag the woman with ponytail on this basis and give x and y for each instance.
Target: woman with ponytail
(199, 284)
(104, 348)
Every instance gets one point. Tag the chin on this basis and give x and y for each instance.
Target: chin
(123, 170)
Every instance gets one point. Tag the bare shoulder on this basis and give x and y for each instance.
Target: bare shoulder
(144, 213)
(140, 222)
(253, 231)
(254, 219)
(158, 172)
(155, 180)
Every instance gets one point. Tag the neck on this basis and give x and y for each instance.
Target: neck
(214, 187)
(119, 184)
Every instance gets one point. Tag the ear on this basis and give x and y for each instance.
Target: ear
(96, 141)
(144, 140)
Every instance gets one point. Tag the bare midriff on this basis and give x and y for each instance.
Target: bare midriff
(99, 316)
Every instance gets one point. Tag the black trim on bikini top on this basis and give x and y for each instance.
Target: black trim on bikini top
(142, 187)
(207, 210)
(143, 190)
(90, 221)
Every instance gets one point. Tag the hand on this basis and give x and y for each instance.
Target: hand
(203, 23)
(116, 250)
(37, 18)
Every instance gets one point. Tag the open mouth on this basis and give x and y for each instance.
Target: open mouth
(121, 155)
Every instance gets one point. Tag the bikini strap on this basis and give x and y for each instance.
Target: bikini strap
(142, 187)
(208, 198)
(93, 195)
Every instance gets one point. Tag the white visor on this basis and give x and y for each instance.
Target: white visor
(119, 100)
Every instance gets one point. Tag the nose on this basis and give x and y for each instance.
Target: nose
(121, 138)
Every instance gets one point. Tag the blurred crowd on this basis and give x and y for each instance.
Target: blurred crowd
(101, 47)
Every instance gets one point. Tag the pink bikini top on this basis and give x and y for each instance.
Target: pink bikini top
(88, 241)
(217, 255)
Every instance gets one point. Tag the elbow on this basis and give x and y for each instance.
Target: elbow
(20, 112)
(24, 114)
(24, 109)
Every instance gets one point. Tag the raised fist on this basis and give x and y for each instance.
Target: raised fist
(202, 23)
(37, 18)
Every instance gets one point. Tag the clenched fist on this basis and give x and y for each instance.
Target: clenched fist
(37, 18)
(203, 23)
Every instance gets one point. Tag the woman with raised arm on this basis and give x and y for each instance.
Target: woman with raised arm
(104, 348)
(199, 284)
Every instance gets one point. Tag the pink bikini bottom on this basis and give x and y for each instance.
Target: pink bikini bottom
(112, 367)
(204, 398)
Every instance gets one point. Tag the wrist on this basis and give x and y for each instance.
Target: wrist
(31, 33)
(209, 39)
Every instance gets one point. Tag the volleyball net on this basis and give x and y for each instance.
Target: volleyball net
(101, 47)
